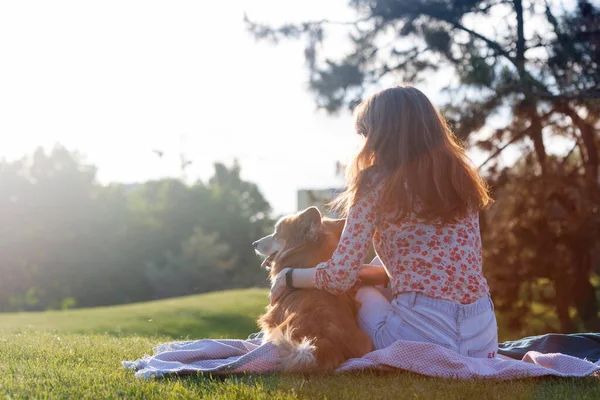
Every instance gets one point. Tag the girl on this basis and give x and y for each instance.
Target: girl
(413, 193)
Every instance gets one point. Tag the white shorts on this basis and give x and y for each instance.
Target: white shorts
(468, 329)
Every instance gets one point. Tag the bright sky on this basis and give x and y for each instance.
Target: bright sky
(116, 79)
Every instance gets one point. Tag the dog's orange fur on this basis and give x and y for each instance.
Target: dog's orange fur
(326, 320)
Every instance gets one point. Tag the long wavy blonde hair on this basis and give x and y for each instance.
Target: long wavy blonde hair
(424, 167)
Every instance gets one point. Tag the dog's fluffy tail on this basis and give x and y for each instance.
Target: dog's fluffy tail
(295, 356)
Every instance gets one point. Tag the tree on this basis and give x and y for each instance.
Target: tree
(49, 213)
(66, 240)
(239, 215)
(181, 223)
(532, 64)
(200, 266)
(541, 250)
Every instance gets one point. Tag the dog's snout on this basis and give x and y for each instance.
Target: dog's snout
(255, 244)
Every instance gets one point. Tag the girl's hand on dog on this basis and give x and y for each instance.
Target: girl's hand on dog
(369, 275)
(301, 278)
(372, 275)
(278, 286)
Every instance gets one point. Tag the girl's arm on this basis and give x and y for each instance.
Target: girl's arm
(369, 275)
(340, 273)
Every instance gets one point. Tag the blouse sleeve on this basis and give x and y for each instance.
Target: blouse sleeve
(340, 273)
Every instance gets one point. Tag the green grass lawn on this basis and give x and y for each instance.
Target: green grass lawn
(77, 354)
(229, 314)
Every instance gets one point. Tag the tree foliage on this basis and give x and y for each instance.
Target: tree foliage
(521, 75)
(66, 240)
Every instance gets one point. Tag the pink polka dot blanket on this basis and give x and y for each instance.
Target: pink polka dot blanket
(223, 357)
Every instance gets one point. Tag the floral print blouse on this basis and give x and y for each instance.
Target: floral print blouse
(441, 260)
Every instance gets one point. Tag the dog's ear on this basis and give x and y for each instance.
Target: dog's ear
(312, 215)
(311, 223)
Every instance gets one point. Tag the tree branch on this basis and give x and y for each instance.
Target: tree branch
(293, 29)
(566, 157)
(487, 8)
(589, 143)
(519, 136)
(516, 138)
(330, 22)
(520, 59)
(411, 54)
(523, 74)
(538, 139)
(585, 95)
(494, 45)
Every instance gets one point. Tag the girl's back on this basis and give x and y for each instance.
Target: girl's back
(440, 260)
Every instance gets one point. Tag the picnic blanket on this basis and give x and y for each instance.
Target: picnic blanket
(581, 345)
(252, 356)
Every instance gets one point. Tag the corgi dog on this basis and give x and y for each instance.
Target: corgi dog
(315, 331)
